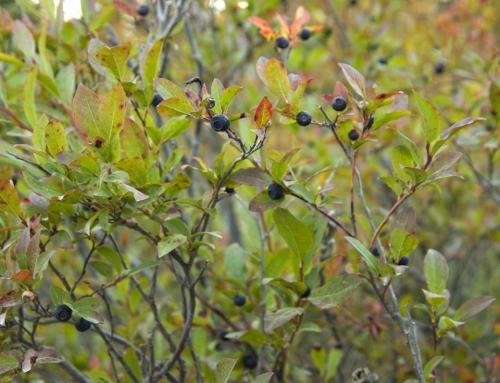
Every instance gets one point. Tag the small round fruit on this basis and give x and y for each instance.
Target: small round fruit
(305, 34)
(63, 313)
(370, 123)
(239, 300)
(14, 180)
(142, 10)
(250, 361)
(157, 99)
(220, 123)
(83, 325)
(439, 67)
(382, 60)
(282, 42)
(306, 293)
(375, 251)
(339, 104)
(353, 135)
(28, 296)
(303, 118)
(275, 191)
(222, 336)
(404, 261)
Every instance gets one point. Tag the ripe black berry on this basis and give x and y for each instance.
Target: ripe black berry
(63, 313)
(370, 123)
(382, 60)
(439, 67)
(305, 33)
(275, 191)
(142, 10)
(222, 335)
(282, 42)
(303, 118)
(404, 261)
(14, 180)
(157, 98)
(339, 104)
(488, 127)
(353, 135)
(220, 123)
(83, 325)
(239, 300)
(375, 251)
(306, 293)
(250, 361)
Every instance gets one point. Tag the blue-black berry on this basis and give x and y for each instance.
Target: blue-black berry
(439, 67)
(220, 123)
(339, 104)
(239, 300)
(303, 118)
(282, 42)
(157, 99)
(63, 313)
(370, 123)
(306, 293)
(353, 135)
(382, 60)
(142, 10)
(375, 251)
(250, 361)
(404, 261)
(305, 34)
(222, 335)
(275, 191)
(83, 325)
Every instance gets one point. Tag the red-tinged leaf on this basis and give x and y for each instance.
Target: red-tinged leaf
(228, 96)
(340, 90)
(263, 113)
(405, 221)
(355, 79)
(85, 107)
(472, 307)
(174, 107)
(260, 67)
(328, 98)
(168, 89)
(277, 79)
(260, 23)
(444, 162)
(23, 276)
(9, 199)
(315, 28)
(383, 96)
(11, 299)
(252, 177)
(125, 8)
(290, 111)
(285, 28)
(192, 97)
(262, 202)
(297, 95)
(301, 18)
(294, 81)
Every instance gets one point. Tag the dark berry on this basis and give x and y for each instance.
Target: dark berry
(305, 34)
(370, 123)
(282, 42)
(83, 325)
(14, 180)
(275, 191)
(488, 127)
(220, 123)
(239, 300)
(439, 67)
(339, 104)
(303, 118)
(382, 60)
(375, 251)
(157, 99)
(63, 313)
(222, 335)
(250, 361)
(306, 293)
(142, 10)
(353, 135)
(85, 207)
(404, 261)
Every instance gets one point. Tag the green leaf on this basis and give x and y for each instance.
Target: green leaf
(56, 293)
(89, 314)
(369, 258)
(94, 46)
(394, 183)
(168, 89)
(112, 112)
(62, 240)
(29, 105)
(495, 99)
(335, 291)
(430, 115)
(443, 162)
(299, 91)
(174, 128)
(111, 256)
(49, 84)
(279, 318)
(302, 191)
(24, 40)
(384, 119)
(431, 365)
(264, 378)
(277, 79)
(332, 363)
(435, 300)
(167, 244)
(294, 232)
(136, 169)
(262, 202)
(234, 262)
(472, 307)
(48, 187)
(87, 303)
(65, 81)
(217, 90)
(134, 141)
(9, 199)
(417, 176)
(86, 107)
(297, 287)
(436, 271)
(133, 363)
(278, 170)
(173, 107)
(11, 60)
(38, 138)
(151, 64)
(402, 243)
(7, 363)
(252, 176)
(114, 58)
(228, 96)
(56, 138)
(401, 158)
(355, 79)
(416, 153)
(223, 370)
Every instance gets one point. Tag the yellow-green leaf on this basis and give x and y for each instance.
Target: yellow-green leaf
(430, 115)
(29, 96)
(114, 58)
(277, 79)
(86, 107)
(112, 112)
(9, 199)
(56, 138)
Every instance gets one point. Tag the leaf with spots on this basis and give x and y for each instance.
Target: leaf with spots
(56, 138)
(112, 111)
(263, 113)
(114, 58)
(134, 140)
(136, 169)
(86, 107)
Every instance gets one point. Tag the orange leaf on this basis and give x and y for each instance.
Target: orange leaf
(22, 276)
(285, 30)
(263, 113)
(260, 23)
